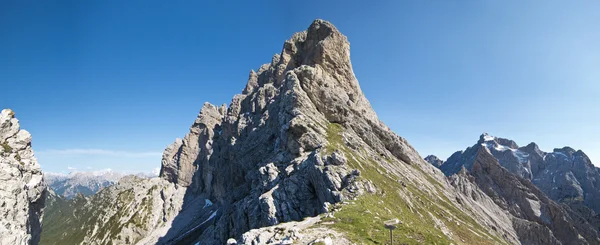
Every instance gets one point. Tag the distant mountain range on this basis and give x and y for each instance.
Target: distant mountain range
(86, 183)
(514, 173)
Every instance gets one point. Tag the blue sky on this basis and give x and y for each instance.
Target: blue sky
(109, 84)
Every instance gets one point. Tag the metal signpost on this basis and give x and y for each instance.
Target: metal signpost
(391, 225)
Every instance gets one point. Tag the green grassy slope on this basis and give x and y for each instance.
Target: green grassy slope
(424, 213)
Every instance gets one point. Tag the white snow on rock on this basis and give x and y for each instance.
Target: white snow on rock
(207, 203)
(487, 137)
(522, 156)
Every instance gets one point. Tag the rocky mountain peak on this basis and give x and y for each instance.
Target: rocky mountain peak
(23, 190)
(312, 73)
(272, 140)
(485, 138)
(568, 151)
(532, 147)
(564, 176)
(434, 160)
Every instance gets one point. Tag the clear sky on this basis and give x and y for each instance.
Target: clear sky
(109, 84)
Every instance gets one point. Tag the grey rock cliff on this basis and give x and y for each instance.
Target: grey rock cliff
(22, 188)
(485, 208)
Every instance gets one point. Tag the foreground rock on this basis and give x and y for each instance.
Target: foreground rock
(296, 232)
(22, 189)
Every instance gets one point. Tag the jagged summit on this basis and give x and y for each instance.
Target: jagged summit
(486, 138)
(312, 73)
(434, 160)
(22, 188)
(565, 176)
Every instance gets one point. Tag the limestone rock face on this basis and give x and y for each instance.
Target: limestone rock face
(22, 188)
(302, 232)
(182, 158)
(483, 206)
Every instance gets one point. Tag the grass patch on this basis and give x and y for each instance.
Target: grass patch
(6, 148)
(334, 137)
(100, 217)
(421, 213)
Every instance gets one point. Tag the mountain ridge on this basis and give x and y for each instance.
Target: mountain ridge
(86, 183)
(496, 162)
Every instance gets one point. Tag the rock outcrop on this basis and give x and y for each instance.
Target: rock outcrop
(22, 188)
(295, 232)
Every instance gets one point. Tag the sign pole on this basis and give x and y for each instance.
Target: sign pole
(391, 225)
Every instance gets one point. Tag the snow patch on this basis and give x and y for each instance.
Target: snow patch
(207, 203)
(496, 146)
(561, 154)
(196, 227)
(522, 156)
(209, 218)
(487, 137)
(500, 147)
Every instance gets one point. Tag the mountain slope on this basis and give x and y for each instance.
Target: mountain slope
(524, 182)
(124, 213)
(22, 188)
